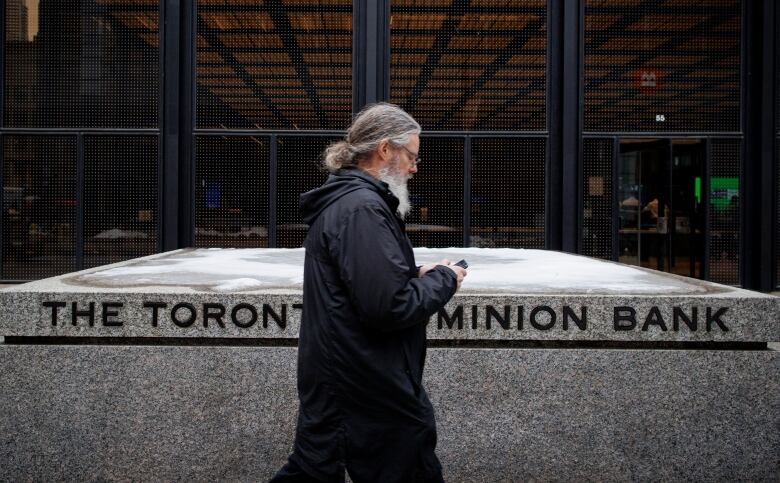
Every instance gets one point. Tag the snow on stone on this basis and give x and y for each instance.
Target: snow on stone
(116, 233)
(491, 270)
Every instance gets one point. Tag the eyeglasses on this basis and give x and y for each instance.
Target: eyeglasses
(415, 156)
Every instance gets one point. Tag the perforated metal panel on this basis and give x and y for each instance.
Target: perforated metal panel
(300, 170)
(662, 65)
(39, 207)
(436, 193)
(274, 64)
(597, 204)
(120, 198)
(82, 63)
(231, 191)
(507, 192)
(480, 65)
(724, 211)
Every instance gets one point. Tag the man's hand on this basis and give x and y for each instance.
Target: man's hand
(460, 272)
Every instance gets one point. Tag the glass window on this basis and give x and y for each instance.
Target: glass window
(82, 63)
(274, 65)
(300, 170)
(724, 211)
(231, 191)
(662, 66)
(39, 207)
(597, 198)
(436, 193)
(120, 198)
(470, 66)
(508, 192)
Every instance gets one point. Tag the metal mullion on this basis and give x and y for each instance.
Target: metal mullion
(74, 131)
(80, 195)
(2, 66)
(267, 132)
(571, 130)
(273, 172)
(168, 140)
(615, 211)
(767, 228)
(705, 198)
(2, 165)
(670, 201)
(359, 30)
(467, 191)
(187, 113)
(655, 134)
(554, 101)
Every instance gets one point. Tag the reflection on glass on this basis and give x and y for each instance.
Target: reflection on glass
(507, 192)
(660, 203)
(39, 207)
(82, 63)
(231, 192)
(436, 218)
(120, 198)
(597, 198)
(643, 201)
(266, 65)
(686, 222)
(300, 170)
(724, 211)
(662, 65)
(478, 66)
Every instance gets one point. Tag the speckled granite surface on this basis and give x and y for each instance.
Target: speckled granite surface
(679, 309)
(121, 413)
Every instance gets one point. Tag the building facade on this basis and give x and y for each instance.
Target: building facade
(646, 132)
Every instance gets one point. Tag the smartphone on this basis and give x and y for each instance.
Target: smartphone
(462, 264)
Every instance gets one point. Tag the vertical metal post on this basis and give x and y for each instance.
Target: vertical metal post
(186, 125)
(615, 200)
(705, 199)
(273, 172)
(370, 52)
(2, 195)
(467, 191)
(554, 180)
(168, 219)
(767, 195)
(2, 65)
(670, 193)
(571, 132)
(80, 199)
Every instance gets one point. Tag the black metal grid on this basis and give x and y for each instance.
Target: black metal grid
(39, 206)
(436, 190)
(274, 64)
(120, 198)
(508, 192)
(232, 191)
(460, 65)
(777, 147)
(300, 169)
(92, 64)
(598, 204)
(662, 66)
(724, 180)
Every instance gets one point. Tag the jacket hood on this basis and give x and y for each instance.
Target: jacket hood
(340, 183)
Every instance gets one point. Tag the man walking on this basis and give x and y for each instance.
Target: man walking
(365, 305)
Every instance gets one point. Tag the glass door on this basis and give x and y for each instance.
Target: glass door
(659, 203)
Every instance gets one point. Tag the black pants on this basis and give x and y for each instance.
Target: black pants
(292, 473)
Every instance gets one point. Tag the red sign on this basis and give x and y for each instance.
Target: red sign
(647, 80)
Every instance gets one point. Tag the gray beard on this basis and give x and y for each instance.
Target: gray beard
(397, 183)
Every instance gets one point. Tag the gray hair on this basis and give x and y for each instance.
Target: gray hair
(372, 125)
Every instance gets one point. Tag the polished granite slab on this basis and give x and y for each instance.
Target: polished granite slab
(509, 294)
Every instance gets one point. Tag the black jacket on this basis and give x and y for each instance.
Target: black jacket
(362, 341)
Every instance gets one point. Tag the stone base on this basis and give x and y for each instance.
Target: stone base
(159, 413)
